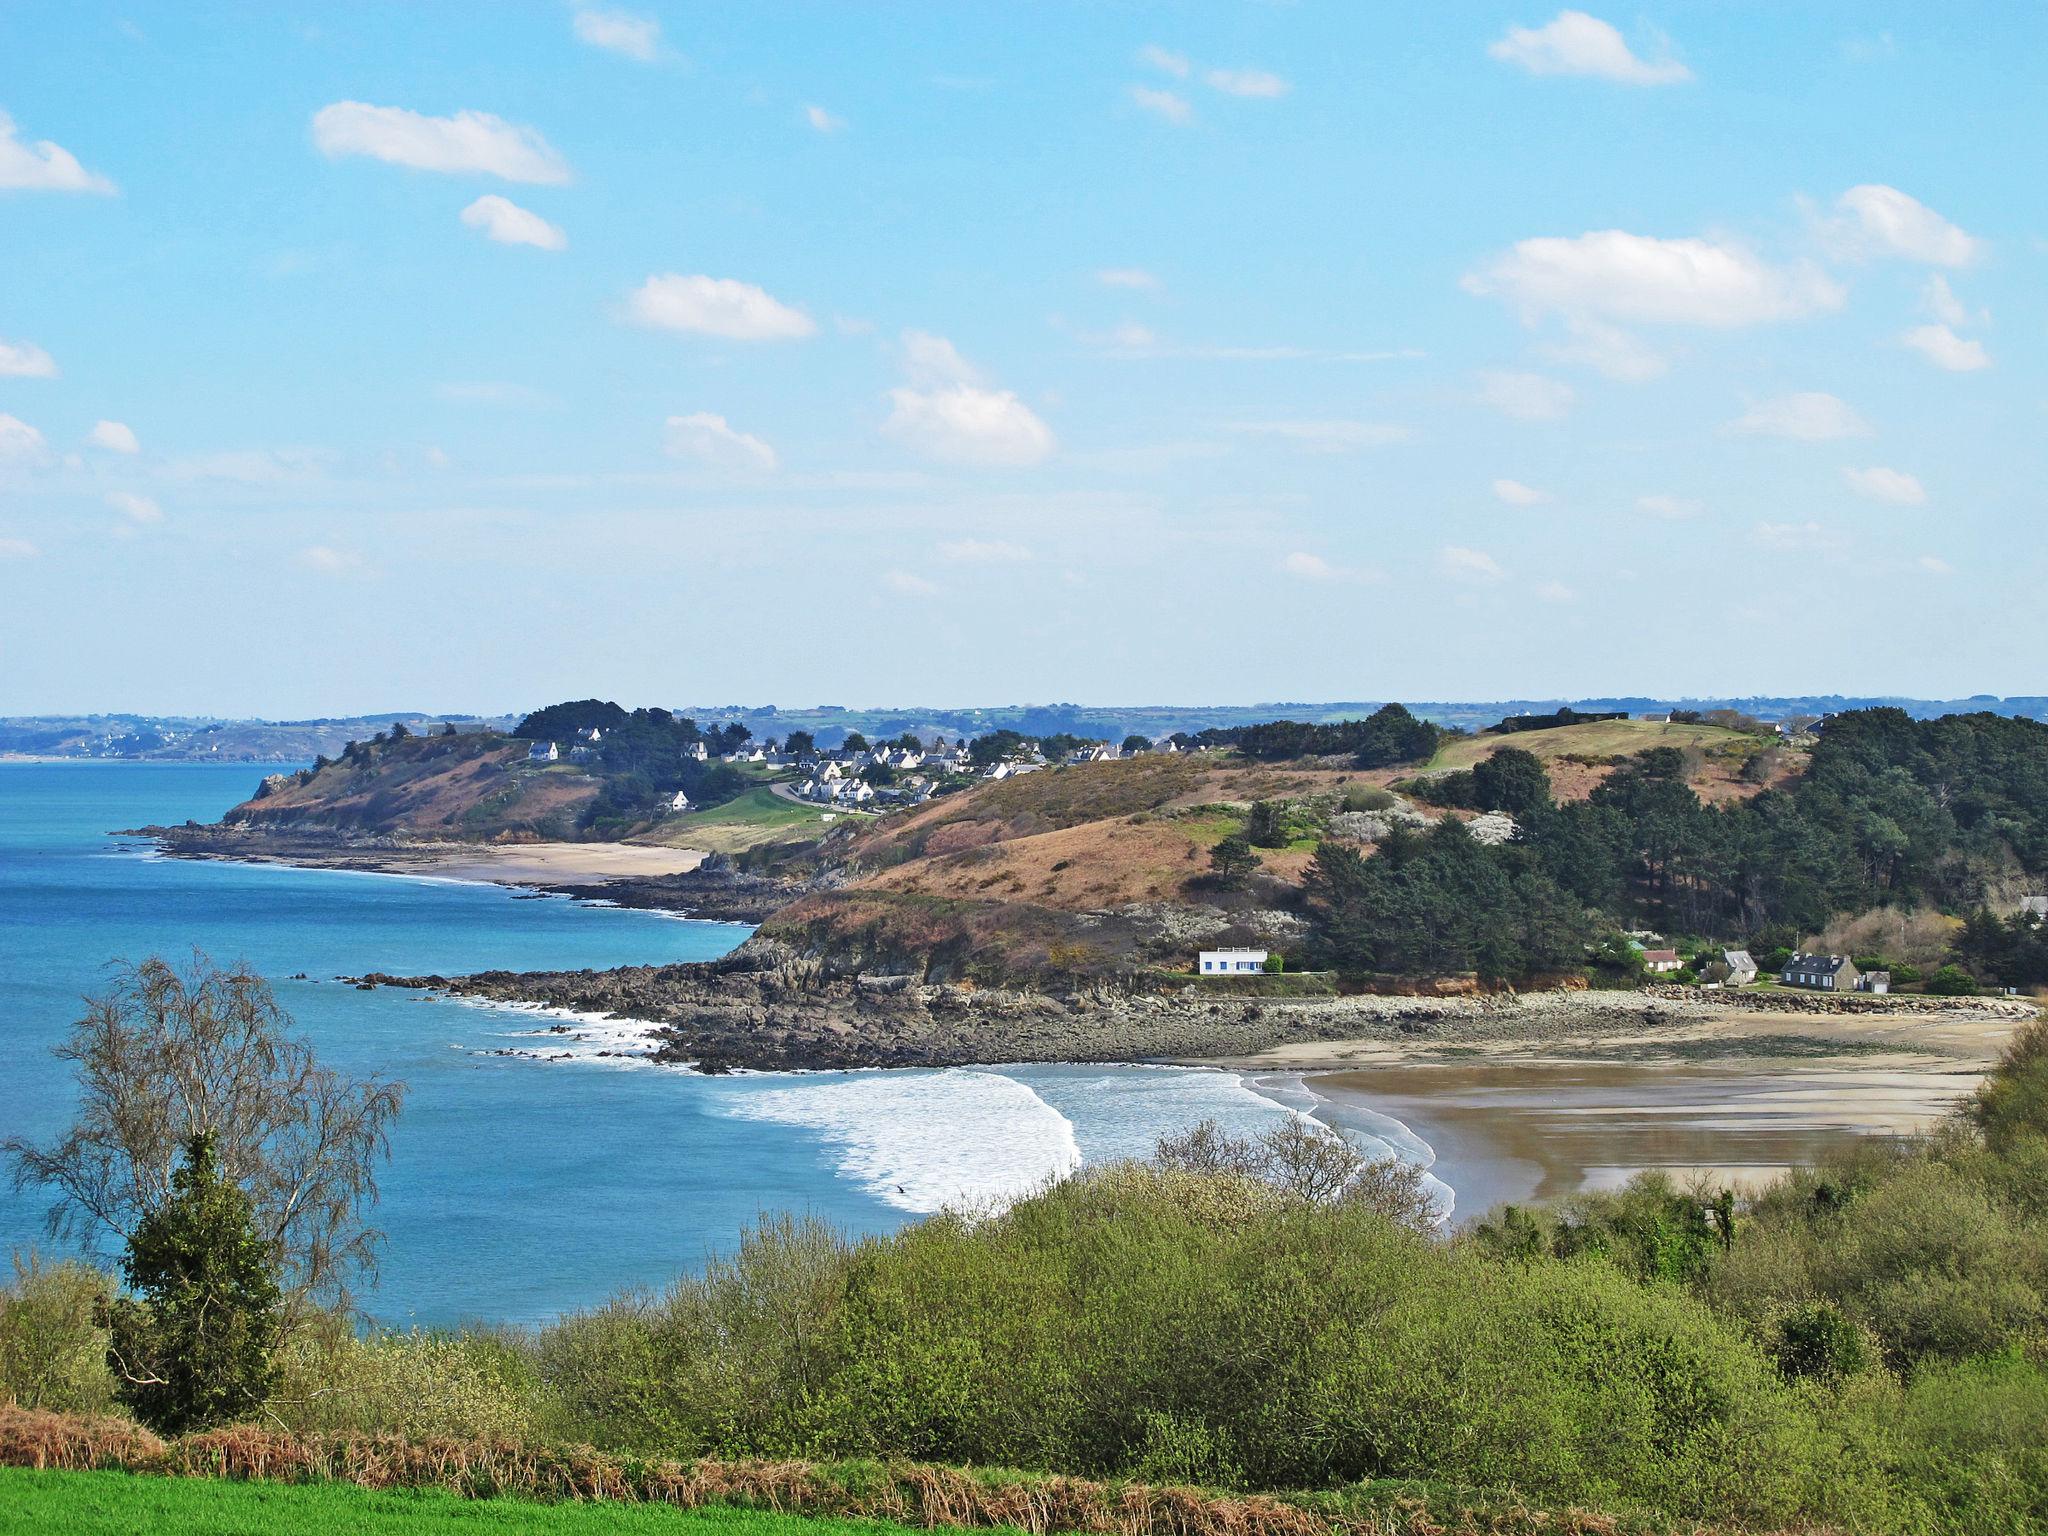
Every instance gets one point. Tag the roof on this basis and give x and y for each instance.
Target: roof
(1659, 954)
(1738, 958)
(1826, 965)
(1244, 954)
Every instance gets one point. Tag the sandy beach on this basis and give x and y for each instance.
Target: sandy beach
(1726, 1094)
(548, 865)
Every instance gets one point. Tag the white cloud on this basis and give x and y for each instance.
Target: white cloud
(966, 424)
(468, 142)
(1475, 566)
(1613, 275)
(18, 440)
(949, 413)
(823, 121)
(1798, 538)
(1526, 396)
(509, 224)
(707, 436)
(637, 37)
(716, 306)
(1934, 565)
(1941, 346)
(25, 360)
(1174, 108)
(136, 508)
(329, 561)
(1329, 436)
(1881, 484)
(1574, 43)
(1258, 84)
(984, 551)
(1164, 60)
(40, 166)
(1516, 494)
(1672, 509)
(1127, 277)
(1810, 416)
(908, 584)
(1556, 592)
(16, 549)
(1883, 221)
(114, 436)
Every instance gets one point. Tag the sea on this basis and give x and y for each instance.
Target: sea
(535, 1170)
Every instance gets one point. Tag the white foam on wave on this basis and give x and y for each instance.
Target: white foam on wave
(587, 1039)
(922, 1141)
(1123, 1111)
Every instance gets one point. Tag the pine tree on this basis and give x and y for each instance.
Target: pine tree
(192, 1349)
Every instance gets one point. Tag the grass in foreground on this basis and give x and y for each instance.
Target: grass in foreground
(120, 1503)
(756, 817)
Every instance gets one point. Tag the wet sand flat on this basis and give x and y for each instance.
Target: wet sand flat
(1518, 1130)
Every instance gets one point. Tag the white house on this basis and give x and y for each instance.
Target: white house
(696, 751)
(2034, 906)
(679, 801)
(543, 752)
(1231, 962)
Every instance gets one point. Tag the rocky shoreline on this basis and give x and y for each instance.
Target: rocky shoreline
(768, 1008)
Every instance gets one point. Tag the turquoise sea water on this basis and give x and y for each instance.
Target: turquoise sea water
(519, 1186)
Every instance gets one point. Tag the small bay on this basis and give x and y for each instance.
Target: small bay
(519, 1186)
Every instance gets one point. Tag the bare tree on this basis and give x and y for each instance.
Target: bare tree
(1309, 1163)
(163, 1056)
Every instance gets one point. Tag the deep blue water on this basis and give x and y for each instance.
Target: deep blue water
(518, 1187)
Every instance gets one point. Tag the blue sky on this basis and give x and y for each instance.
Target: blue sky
(464, 356)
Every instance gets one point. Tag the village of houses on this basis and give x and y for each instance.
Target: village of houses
(871, 778)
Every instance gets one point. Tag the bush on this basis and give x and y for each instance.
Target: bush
(475, 1385)
(1952, 981)
(53, 1348)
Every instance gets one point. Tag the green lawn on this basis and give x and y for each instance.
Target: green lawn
(122, 1504)
(756, 817)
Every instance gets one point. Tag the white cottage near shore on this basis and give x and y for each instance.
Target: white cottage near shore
(1230, 962)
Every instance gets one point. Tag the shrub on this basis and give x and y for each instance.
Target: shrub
(1952, 981)
(475, 1385)
(53, 1347)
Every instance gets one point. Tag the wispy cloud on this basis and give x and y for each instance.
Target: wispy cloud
(1526, 396)
(709, 438)
(1165, 60)
(909, 584)
(1798, 538)
(1516, 494)
(135, 507)
(1876, 220)
(621, 32)
(506, 222)
(329, 561)
(467, 143)
(1304, 566)
(1127, 277)
(1574, 43)
(1808, 416)
(716, 306)
(823, 121)
(18, 440)
(1475, 567)
(1668, 508)
(1889, 485)
(947, 413)
(1170, 105)
(1257, 84)
(1941, 346)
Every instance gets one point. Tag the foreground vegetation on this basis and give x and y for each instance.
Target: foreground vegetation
(1864, 1346)
(119, 1503)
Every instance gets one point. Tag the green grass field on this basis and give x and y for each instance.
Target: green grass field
(759, 816)
(1601, 738)
(121, 1504)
